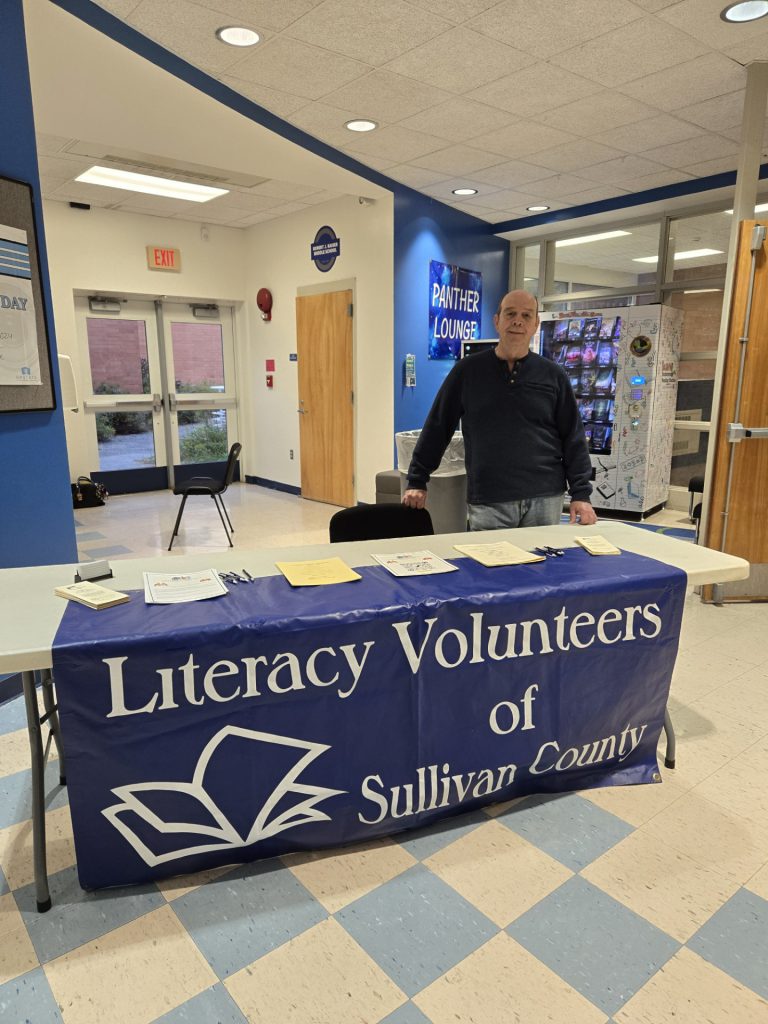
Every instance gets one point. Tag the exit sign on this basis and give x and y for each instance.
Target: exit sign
(160, 258)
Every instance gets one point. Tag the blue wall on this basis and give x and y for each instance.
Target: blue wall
(36, 521)
(428, 230)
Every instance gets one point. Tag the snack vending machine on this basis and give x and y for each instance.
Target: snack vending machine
(622, 365)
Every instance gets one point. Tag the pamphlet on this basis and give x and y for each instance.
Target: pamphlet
(595, 544)
(414, 563)
(501, 553)
(178, 588)
(317, 573)
(92, 595)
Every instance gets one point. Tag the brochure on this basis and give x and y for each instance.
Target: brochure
(595, 544)
(178, 588)
(317, 573)
(414, 563)
(501, 553)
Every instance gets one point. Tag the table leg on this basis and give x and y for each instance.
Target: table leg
(52, 718)
(38, 792)
(669, 732)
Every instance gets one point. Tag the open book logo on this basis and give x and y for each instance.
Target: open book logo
(142, 821)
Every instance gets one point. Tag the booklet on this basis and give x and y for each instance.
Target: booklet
(414, 563)
(180, 587)
(595, 544)
(92, 595)
(500, 553)
(317, 573)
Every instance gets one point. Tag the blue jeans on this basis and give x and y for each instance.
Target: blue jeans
(506, 515)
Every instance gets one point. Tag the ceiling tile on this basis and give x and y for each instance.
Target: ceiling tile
(367, 30)
(752, 49)
(701, 18)
(61, 166)
(707, 167)
(654, 5)
(598, 113)
(697, 80)
(254, 218)
(457, 160)
(508, 201)
(49, 145)
(652, 132)
(628, 53)
(321, 197)
(706, 147)
(156, 206)
(512, 173)
(400, 145)
(444, 190)
(261, 13)
(594, 195)
(735, 134)
(321, 116)
(572, 156)
(384, 96)
(288, 191)
(618, 171)
(559, 185)
(415, 177)
(311, 72)
(378, 163)
(458, 120)
(120, 8)
(200, 216)
(534, 89)
(717, 114)
(522, 138)
(281, 103)
(188, 30)
(457, 11)
(482, 212)
(644, 182)
(246, 202)
(77, 192)
(459, 60)
(533, 26)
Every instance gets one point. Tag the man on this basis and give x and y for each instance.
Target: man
(523, 436)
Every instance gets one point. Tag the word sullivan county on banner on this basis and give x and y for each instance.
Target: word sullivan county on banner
(279, 719)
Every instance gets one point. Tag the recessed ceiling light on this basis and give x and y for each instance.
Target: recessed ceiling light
(691, 254)
(589, 238)
(760, 208)
(236, 35)
(536, 209)
(750, 10)
(465, 191)
(112, 177)
(361, 124)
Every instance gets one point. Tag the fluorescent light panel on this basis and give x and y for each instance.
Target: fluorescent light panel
(112, 177)
(590, 238)
(691, 254)
(700, 291)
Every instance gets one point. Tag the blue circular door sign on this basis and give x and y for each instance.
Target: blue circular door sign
(325, 248)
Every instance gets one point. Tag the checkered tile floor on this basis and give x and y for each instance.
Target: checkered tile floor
(633, 905)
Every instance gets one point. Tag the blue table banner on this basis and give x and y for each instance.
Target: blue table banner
(276, 719)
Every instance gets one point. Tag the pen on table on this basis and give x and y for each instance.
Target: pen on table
(248, 575)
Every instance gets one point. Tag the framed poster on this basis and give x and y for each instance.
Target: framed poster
(455, 297)
(26, 378)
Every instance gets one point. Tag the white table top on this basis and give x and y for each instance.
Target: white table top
(30, 612)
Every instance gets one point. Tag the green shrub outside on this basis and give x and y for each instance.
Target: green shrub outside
(204, 444)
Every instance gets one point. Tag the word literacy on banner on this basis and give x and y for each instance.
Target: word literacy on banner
(455, 297)
(325, 248)
(292, 719)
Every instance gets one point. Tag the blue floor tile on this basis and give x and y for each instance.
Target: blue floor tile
(114, 549)
(570, 829)
(602, 949)
(241, 916)
(214, 1006)
(76, 916)
(408, 1013)
(416, 927)
(16, 794)
(28, 1000)
(13, 715)
(424, 842)
(735, 939)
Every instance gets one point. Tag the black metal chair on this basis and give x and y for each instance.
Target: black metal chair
(213, 488)
(379, 522)
(695, 486)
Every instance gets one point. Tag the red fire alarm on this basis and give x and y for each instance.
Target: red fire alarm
(270, 380)
(264, 302)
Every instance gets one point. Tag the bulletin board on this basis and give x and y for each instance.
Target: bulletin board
(26, 377)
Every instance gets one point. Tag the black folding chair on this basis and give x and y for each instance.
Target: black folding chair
(214, 488)
(379, 522)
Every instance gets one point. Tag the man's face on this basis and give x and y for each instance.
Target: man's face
(516, 322)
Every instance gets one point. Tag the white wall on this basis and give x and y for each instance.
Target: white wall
(104, 251)
(278, 258)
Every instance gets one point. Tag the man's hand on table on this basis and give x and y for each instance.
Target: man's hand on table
(582, 512)
(415, 498)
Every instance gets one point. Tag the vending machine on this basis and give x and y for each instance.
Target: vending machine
(622, 364)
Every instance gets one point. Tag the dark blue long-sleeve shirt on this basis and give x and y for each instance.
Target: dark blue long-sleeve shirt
(523, 436)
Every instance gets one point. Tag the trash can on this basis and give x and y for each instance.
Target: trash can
(447, 491)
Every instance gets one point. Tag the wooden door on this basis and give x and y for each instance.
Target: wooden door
(747, 522)
(326, 436)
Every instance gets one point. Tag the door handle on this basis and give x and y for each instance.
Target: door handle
(737, 432)
(302, 411)
(157, 403)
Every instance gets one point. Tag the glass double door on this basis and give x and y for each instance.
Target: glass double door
(160, 390)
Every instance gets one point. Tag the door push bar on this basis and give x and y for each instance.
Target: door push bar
(737, 432)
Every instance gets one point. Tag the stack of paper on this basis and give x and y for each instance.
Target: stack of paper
(317, 573)
(501, 553)
(597, 545)
(414, 563)
(92, 595)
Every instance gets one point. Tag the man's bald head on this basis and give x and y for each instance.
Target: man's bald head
(516, 294)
